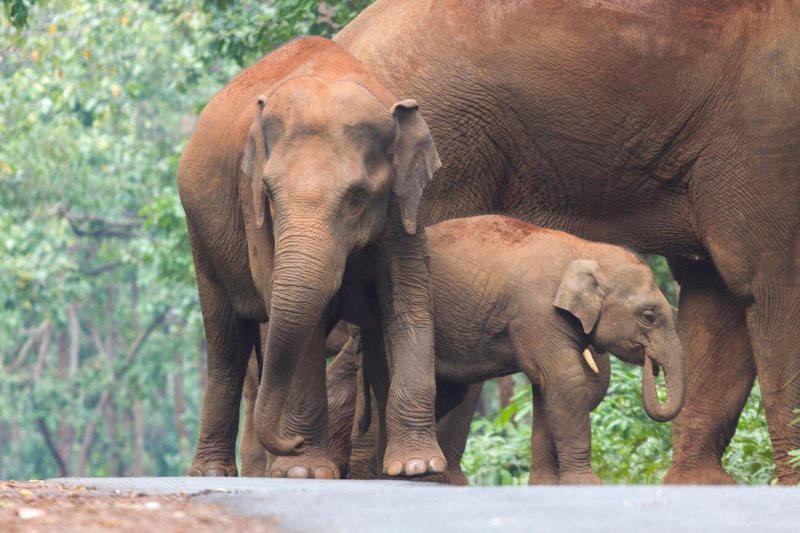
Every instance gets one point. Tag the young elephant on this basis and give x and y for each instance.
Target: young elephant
(512, 297)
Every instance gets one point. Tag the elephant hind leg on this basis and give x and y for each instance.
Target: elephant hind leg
(544, 457)
(719, 370)
(455, 406)
(254, 456)
(772, 320)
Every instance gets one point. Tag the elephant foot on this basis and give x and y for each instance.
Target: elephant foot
(304, 467)
(579, 478)
(213, 467)
(698, 475)
(407, 461)
(539, 477)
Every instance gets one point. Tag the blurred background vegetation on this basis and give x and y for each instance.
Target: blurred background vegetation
(102, 357)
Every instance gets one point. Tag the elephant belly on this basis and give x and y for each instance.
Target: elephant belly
(466, 355)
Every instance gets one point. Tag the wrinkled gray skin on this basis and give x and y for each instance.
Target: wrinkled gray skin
(668, 126)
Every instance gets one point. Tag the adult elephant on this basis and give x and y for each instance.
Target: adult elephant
(300, 170)
(672, 127)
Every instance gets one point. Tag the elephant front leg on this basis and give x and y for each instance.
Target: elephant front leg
(566, 412)
(407, 323)
(719, 372)
(229, 341)
(306, 415)
(411, 448)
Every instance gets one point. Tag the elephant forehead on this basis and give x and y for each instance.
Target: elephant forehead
(635, 280)
(317, 103)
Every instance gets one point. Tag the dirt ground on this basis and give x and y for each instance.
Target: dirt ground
(44, 506)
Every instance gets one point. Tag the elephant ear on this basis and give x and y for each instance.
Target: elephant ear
(253, 159)
(414, 162)
(580, 293)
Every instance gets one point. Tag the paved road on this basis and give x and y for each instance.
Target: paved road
(356, 506)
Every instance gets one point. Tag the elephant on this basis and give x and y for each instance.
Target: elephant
(302, 169)
(511, 297)
(670, 127)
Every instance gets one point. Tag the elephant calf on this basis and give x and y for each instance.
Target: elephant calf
(512, 297)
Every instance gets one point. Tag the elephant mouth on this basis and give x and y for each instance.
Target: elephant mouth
(653, 364)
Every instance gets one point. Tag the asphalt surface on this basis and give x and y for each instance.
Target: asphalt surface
(385, 506)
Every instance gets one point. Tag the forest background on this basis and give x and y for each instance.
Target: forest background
(102, 357)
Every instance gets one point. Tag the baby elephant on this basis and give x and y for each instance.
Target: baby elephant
(512, 297)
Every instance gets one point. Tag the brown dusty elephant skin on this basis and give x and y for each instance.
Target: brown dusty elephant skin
(511, 297)
(303, 165)
(672, 127)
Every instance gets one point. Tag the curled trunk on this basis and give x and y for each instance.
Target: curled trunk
(675, 379)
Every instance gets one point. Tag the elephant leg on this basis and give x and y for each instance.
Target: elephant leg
(455, 406)
(773, 321)
(376, 370)
(566, 399)
(544, 458)
(254, 456)
(306, 415)
(343, 394)
(229, 340)
(719, 372)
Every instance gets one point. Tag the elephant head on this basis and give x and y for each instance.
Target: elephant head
(325, 160)
(622, 311)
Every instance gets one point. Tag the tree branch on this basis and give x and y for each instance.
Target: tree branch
(140, 340)
(51, 445)
(23, 352)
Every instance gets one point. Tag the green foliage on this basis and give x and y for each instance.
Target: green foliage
(498, 451)
(243, 31)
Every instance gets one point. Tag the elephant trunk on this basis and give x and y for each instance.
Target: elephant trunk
(675, 378)
(305, 279)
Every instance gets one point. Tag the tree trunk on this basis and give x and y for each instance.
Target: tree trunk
(137, 470)
(66, 431)
(505, 386)
(180, 403)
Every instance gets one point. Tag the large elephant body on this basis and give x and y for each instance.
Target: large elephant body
(672, 127)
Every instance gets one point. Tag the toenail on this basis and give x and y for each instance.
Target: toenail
(395, 468)
(297, 472)
(415, 467)
(437, 464)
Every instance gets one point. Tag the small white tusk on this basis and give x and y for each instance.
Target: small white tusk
(587, 356)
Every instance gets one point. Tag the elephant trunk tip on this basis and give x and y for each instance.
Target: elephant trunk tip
(655, 409)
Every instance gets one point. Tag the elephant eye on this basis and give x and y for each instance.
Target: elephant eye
(356, 200)
(648, 317)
